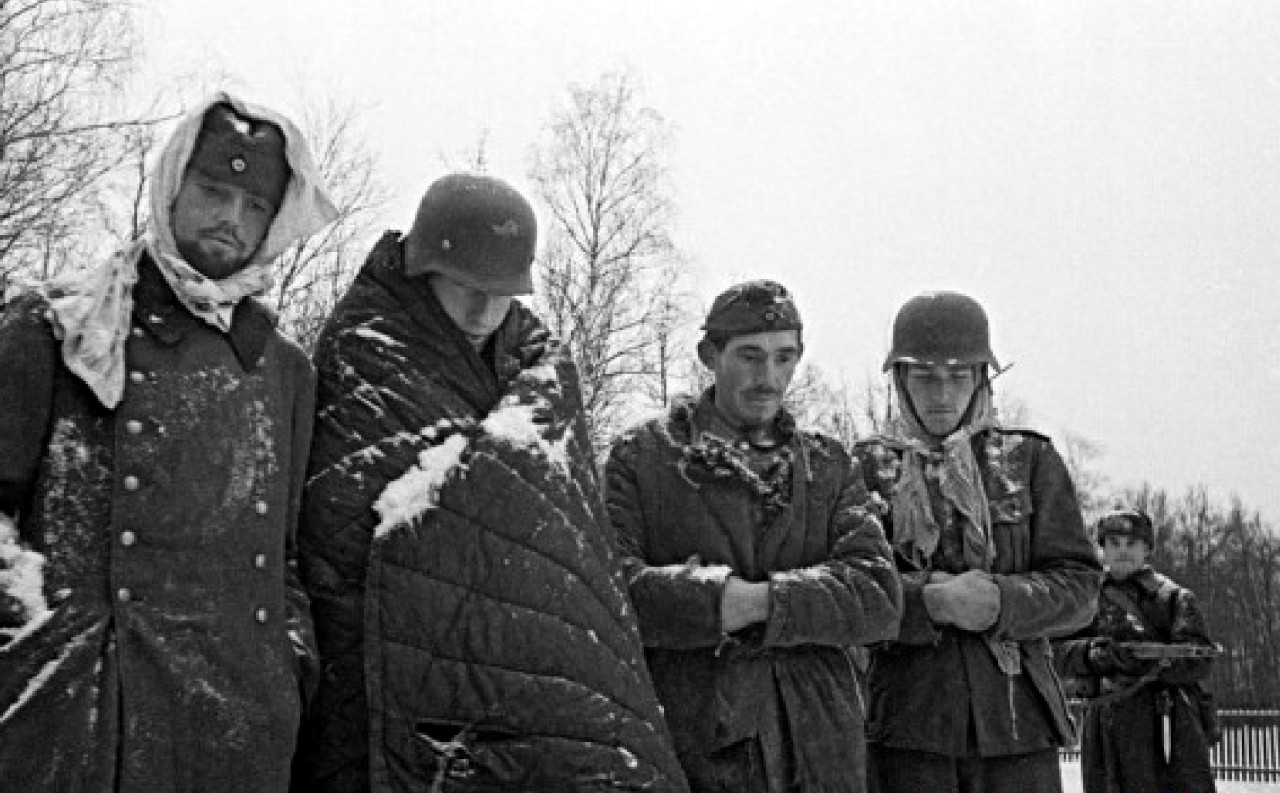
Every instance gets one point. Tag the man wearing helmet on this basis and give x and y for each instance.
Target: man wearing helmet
(473, 627)
(1149, 722)
(994, 560)
(753, 566)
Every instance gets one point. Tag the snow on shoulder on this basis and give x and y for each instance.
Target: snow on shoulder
(523, 424)
(418, 490)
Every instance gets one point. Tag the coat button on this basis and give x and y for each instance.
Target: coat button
(131, 483)
(260, 561)
(137, 377)
(128, 538)
(138, 333)
(260, 615)
(134, 427)
(261, 507)
(124, 595)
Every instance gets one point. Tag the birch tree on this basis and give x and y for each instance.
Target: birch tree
(608, 277)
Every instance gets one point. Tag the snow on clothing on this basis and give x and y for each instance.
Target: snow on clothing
(940, 690)
(1121, 749)
(472, 621)
(169, 654)
(690, 511)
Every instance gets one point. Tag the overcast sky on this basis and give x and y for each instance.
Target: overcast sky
(1104, 177)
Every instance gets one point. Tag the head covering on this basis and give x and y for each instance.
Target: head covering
(90, 309)
(477, 230)
(241, 151)
(1128, 523)
(945, 328)
(952, 463)
(752, 307)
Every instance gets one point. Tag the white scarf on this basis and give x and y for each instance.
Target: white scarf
(916, 531)
(91, 309)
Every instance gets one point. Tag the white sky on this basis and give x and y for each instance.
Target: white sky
(1104, 177)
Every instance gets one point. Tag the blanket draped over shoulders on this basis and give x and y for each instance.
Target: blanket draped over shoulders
(472, 618)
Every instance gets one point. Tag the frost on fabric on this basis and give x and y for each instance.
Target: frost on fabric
(21, 579)
(518, 423)
(418, 490)
(369, 334)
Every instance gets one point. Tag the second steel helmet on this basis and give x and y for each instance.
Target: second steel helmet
(477, 230)
(941, 328)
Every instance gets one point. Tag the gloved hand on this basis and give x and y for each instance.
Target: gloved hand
(1107, 657)
(970, 601)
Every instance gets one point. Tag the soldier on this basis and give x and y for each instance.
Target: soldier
(1149, 722)
(752, 565)
(153, 442)
(471, 618)
(994, 560)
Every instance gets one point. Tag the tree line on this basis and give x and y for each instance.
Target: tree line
(610, 279)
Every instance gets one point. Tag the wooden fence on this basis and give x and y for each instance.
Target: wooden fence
(1248, 752)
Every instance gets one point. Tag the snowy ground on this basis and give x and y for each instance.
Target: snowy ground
(1071, 783)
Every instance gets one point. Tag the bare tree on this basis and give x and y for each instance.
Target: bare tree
(314, 273)
(608, 277)
(62, 63)
(1081, 455)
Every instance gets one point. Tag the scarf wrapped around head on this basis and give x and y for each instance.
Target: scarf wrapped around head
(90, 310)
(916, 531)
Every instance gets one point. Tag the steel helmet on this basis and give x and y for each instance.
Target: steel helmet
(477, 230)
(941, 328)
(1127, 522)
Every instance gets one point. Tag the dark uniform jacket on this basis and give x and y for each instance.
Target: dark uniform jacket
(1122, 746)
(941, 690)
(687, 516)
(168, 657)
(472, 618)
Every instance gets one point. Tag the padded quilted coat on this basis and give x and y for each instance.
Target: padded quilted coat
(473, 625)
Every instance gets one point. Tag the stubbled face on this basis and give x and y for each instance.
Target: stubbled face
(218, 226)
(478, 314)
(940, 394)
(752, 375)
(1123, 555)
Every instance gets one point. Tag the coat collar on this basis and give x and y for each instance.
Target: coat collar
(156, 308)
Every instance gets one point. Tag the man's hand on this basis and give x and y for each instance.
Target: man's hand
(969, 601)
(743, 603)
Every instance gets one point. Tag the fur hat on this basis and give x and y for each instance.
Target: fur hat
(1126, 522)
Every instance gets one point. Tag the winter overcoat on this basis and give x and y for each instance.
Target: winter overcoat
(1122, 747)
(162, 639)
(471, 613)
(688, 515)
(940, 689)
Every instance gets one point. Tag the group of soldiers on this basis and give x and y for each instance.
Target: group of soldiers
(396, 566)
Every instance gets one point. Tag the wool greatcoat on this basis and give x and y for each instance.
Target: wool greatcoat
(167, 651)
(688, 514)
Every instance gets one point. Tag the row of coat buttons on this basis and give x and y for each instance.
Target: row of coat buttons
(125, 595)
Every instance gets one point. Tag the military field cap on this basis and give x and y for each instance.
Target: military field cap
(753, 307)
(1127, 522)
(242, 151)
(478, 231)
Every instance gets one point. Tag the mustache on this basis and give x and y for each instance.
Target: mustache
(224, 232)
(763, 392)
